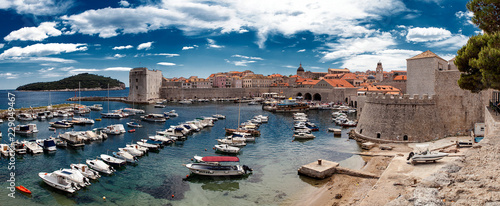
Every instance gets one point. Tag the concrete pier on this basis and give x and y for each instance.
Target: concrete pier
(323, 169)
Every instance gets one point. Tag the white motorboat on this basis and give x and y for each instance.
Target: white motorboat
(112, 115)
(77, 177)
(233, 141)
(335, 131)
(33, 147)
(73, 139)
(115, 129)
(125, 156)
(161, 138)
(154, 118)
(171, 113)
(19, 147)
(28, 129)
(86, 171)
(25, 117)
(92, 136)
(59, 180)
(60, 124)
(135, 111)
(423, 154)
(41, 116)
(142, 149)
(101, 166)
(307, 131)
(185, 101)
(134, 124)
(213, 166)
(111, 160)
(159, 106)
(96, 107)
(247, 136)
(47, 144)
(224, 148)
(5, 149)
(219, 116)
(148, 145)
(134, 152)
(263, 118)
(304, 136)
(82, 120)
(99, 132)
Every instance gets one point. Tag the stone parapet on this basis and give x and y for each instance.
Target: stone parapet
(379, 98)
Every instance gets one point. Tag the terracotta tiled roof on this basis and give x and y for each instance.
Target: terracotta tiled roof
(379, 88)
(310, 82)
(338, 82)
(400, 71)
(426, 54)
(400, 78)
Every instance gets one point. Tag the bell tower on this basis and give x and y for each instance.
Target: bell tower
(379, 72)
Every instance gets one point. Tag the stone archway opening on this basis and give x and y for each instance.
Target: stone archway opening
(307, 96)
(299, 94)
(317, 97)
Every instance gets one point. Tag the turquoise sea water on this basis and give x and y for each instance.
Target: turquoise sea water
(274, 157)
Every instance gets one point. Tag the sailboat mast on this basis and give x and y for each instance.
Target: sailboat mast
(239, 112)
(108, 97)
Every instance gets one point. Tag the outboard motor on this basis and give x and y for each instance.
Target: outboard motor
(410, 155)
(246, 168)
(73, 185)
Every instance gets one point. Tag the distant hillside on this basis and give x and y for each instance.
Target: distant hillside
(87, 82)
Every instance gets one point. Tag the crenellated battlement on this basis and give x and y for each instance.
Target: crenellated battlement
(380, 98)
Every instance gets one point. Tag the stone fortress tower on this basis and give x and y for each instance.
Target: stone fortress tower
(435, 106)
(379, 72)
(144, 84)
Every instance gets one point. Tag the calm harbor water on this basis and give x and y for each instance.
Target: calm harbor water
(274, 157)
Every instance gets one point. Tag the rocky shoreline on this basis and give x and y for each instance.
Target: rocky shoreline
(72, 90)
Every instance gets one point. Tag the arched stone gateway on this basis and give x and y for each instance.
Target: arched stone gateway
(307, 96)
(317, 97)
(299, 94)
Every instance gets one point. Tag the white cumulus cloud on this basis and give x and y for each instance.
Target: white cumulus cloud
(41, 50)
(392, 59)
(453, 43)
(37, 7)
(43, 31)
(419, 34)
(302, 50)
(247, 57)
(349, 47)
(166, 63)
(123, 47)
(167, 55)
(145, 46)
(124, 3)
(119, 55)
(118, 69)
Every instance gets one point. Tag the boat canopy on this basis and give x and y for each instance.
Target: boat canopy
(220, 159)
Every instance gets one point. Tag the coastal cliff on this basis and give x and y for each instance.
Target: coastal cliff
(84, 82)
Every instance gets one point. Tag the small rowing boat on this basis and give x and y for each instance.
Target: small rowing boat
(23, 189)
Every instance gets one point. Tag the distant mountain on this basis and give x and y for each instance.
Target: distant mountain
(87, 82)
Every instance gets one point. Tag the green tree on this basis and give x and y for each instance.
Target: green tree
(479, 59)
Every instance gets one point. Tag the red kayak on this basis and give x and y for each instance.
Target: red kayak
(23, 189)
(132, 130)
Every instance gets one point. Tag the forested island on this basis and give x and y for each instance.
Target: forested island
(87, 82)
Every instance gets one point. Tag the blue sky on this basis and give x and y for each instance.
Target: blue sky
(48, 40)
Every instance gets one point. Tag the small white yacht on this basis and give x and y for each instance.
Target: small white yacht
(214, 166)
(304, 136)
(133, 151)
(5, 149)
(219, 116)
(28, 129)
(86, 171)
(101, 166)
(59, 180)
(135, 111)
(125, 156)
(185, 101)
(60, 124)
(82, 120)
(112, 115)
(47, 144)
(224, 148)
(134, 124)
(171, 113)
(96, 107)
(111, 160)
(25, 117)
(33, 147)
(115, 129)
(233, 141)
(73, 139)
(423, 154)
(148, 145)
(19, 147)
(154, 118)
(77, 177)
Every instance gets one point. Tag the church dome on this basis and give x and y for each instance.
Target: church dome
(371, 77)
(300, 69)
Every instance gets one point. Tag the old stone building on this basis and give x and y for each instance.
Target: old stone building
(144, 84)
(435, 106)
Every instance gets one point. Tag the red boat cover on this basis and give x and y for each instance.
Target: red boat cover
(220, 159)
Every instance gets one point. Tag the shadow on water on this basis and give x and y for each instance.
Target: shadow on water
(217, 183)
(313, 182)
(172, 185)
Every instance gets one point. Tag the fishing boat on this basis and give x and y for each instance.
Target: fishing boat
(5, 149)
(86, 171)
(23, 189)
(33, 147)
(224, 148)
(154, 118)
(115, 129)
(125, 156)
(423, 154)
(101, 166)
(134, 124)
(28, 129)
(112, 160)
(59, 180)
(77, 177)
(47, 144)
(214, 166)
(233, 141)
(304, 136)
(73, 139)
(60, 124)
